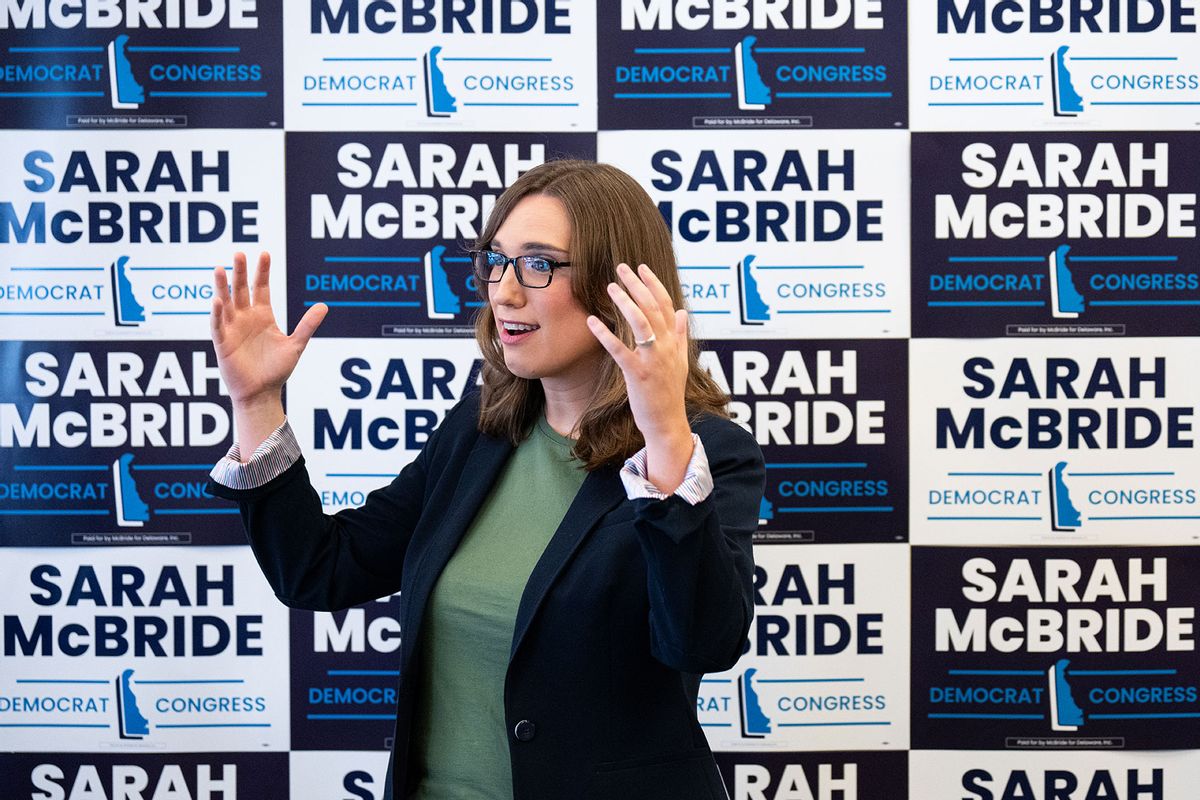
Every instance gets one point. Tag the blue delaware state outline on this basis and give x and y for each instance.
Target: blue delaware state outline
(967, 71)
(427, 71)
(166, 214)
(1022, 470)
(199, 665)
(783, 234)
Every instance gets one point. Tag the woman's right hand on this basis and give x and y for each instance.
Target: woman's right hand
(255, 357)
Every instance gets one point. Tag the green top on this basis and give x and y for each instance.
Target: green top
(460, 745)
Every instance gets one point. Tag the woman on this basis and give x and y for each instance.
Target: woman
(558, 609)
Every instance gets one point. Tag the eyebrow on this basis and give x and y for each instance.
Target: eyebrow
(533, 246)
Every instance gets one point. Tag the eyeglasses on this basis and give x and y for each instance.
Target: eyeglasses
(533, 272)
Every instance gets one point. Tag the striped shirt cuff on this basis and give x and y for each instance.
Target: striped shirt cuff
(697, 483)
(269, 461)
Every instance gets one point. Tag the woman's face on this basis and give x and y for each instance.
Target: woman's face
(559, 350)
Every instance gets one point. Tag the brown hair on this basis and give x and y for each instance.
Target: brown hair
(613, 220)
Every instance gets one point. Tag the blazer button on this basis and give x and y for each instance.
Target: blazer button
(524, 730)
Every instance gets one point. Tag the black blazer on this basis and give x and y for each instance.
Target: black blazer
(629, 604)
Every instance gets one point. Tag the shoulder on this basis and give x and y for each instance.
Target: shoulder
(459, 428)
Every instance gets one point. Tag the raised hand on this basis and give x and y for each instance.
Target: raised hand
(255, 357)
(655, 370)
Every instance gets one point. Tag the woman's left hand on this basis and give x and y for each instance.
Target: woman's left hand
(655, 370)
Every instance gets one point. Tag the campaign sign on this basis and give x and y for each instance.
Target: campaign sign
(339, 775)
(940, 775)
(792, 235)
(381, 224)
(1041, 234)
(1028, 64)
(824, 667)
(116, 235)
(847, 399)
(1017, 442)
(132, 64)
(103, 650)
(145, 776)
(864, 775)
(363, 409)
(493, 65)
(345, 670)
(112, 444)
(1055, 647)
(752, 66)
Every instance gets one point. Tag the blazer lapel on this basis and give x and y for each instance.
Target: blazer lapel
(479, 474)
(601, 491)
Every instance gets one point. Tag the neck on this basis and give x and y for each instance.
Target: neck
(566, 400)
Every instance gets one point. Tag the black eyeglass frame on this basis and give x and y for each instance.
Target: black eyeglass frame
(518, 263)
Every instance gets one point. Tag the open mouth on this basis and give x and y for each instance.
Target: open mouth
(515, 331)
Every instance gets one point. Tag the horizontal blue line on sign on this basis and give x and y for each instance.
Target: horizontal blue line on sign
(360, 474)
(983, 519)
(673, 96)
(985, 104)
(178, 511)
(160, 467)
(717, 680)
(174, 49)
(496, 58)
(50, 725)
(1124, 672)
(983, 303)
(47, 512)
(865, 95)
(369, 58)
(834, 509)
(1113, 474)
(51, 94)
(1145, 103)
(811, 680)
(388, 673)
(1146, 302)
(58, 680)
(985, 259)
(358, 104)
(1147, 517)
(57, 269)
(826, 724)
(56, 49)
(51, 313)
(351, 716)
(365, 303)
(1164, 715)
(818, 465)
(666, 51)
(208, 94)
(61, 468)
(1124, 258)
(988, 716)
(726, 266)
(520, 105)
(810, 266)
(1037, 672)
(173, 269)
(456, 259)
(198, 680)
(716, 724)
(474, 304)
(998, 58)
(810, 50)
(372, 259)
(216, 725)
(1122, 58)
(994, 474)
(835, 311)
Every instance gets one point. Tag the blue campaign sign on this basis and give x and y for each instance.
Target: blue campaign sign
(1038, 234)
(1054, 647)
(831, 418)
(381, 224)
(111, 443)
(752, 66)
(134, 65)
(345, 668)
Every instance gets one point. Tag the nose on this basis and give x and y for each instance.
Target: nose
(508, 291)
